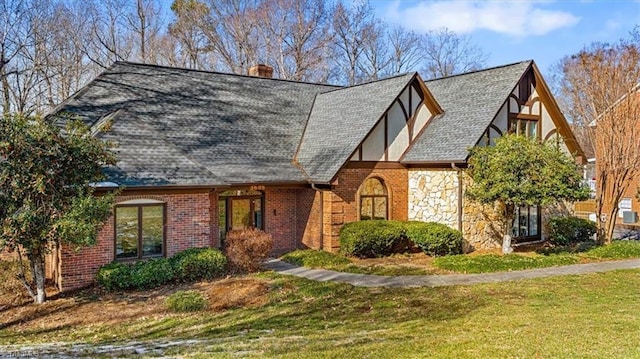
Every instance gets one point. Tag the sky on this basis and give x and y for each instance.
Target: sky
(515, 30)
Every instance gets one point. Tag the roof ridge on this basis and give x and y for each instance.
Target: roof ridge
(219, 73)
(370, 82)
(481, 70)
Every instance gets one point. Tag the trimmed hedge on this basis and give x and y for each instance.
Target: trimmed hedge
(435, 239)
(139, 275)
(367, 239)
(199, 263)
(567, 230)
(189, 265)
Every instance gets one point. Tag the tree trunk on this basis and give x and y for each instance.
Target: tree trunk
(506, 244)
(507, 215)
(37, 267)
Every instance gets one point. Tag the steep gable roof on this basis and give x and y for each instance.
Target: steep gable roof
(185, 127)
(339, 122)
(470, 102)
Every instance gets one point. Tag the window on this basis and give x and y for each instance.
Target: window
(373, 200)
(139, 231)
(527, 127)
(240, 209)
(526, 224)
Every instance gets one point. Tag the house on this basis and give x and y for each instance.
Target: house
(201, 153)
(616, 159)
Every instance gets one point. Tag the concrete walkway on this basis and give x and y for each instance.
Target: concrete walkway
(409, 281)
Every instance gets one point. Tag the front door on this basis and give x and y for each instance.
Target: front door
(239, 210)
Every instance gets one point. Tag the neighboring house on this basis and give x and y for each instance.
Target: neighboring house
(622, 155)
(202, 153)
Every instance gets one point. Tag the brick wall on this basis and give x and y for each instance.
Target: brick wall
(188, 224)
(341, 205)
(309, 206)
(280, 218)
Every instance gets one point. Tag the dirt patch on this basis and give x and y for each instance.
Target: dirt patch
(94, 306)
(238, 293)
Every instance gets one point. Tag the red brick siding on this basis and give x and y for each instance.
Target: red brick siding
(280, 218)
(309, 206)
(187, 225)
(342, 205)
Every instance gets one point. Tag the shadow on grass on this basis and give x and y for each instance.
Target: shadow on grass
(299, 306)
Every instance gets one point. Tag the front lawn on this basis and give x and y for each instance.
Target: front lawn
(588, 316)
(417, 264)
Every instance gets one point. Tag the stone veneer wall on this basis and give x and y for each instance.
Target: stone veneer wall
(433, 196)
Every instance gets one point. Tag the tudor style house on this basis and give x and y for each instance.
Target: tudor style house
(202, 153)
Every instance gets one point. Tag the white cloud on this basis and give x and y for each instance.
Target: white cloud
(512, 18)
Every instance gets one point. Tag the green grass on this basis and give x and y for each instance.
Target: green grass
(496, 263)
(315, 259)
(549, 258)
(588, 316)
(615, 250)
(488, 263)
(320, 259)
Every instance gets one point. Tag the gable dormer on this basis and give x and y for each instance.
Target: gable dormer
(399, 126)
(530, 110)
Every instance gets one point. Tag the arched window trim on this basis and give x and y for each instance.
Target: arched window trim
(374, 198)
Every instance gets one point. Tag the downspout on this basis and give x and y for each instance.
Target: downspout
(459, 171)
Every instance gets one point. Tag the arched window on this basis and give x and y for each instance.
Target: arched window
(373, 200)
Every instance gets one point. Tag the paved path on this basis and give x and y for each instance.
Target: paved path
(407, 281)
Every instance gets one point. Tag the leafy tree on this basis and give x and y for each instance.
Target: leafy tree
(45, 192)
(520, 171)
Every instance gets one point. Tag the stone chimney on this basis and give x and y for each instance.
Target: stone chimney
(261, 70)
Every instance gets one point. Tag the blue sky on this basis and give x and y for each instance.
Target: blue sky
(516, 30)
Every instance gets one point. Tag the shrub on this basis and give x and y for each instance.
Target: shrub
(566, 230)
(139, 275)
(248, 248)
(198, 263)
(114, 276)
(435, 239)
(151, 273)
(367, 239)
(186, 301)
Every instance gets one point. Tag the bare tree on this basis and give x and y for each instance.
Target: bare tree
(192, 44)
(350, 25)
(231, 29)
(601, 85)
(447, 53)
(375, 53)
(112, 39)
(144, 20)
(296, 38)
(406, 50)
(14, 32)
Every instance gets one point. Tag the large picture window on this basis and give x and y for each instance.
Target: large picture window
(139, 231)
(373, 200)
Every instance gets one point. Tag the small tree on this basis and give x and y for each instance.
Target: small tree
(519, 171)
(45, 192)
